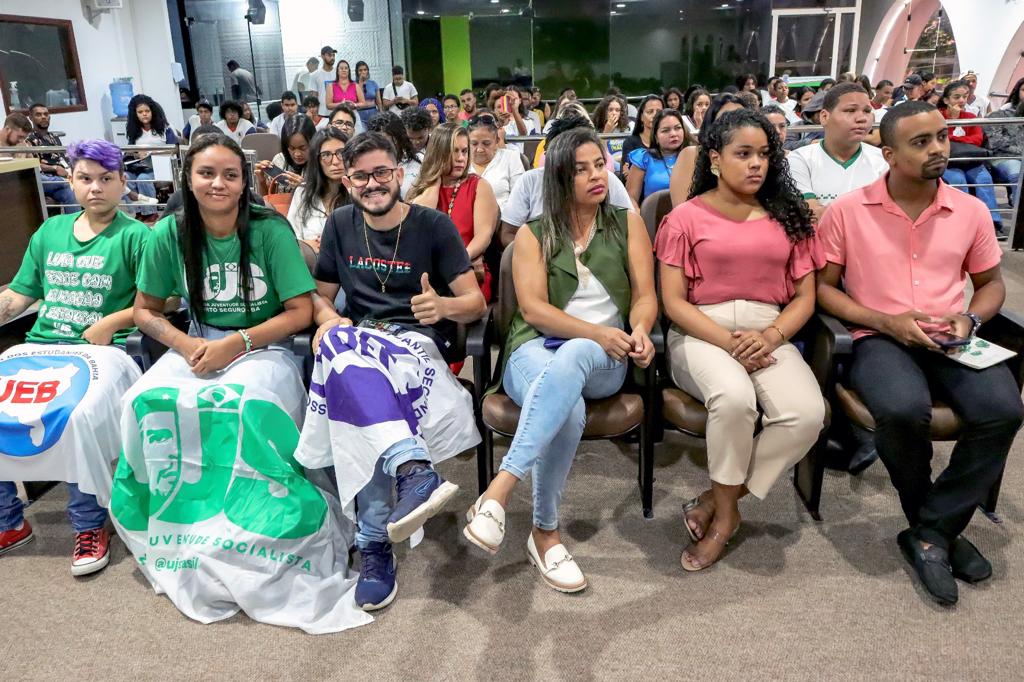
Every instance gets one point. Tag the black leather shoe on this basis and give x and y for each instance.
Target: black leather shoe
(967, 562)
(932, 567)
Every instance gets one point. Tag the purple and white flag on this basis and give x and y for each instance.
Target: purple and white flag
(370, 390)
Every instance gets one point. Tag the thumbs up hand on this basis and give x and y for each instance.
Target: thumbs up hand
(428, 307)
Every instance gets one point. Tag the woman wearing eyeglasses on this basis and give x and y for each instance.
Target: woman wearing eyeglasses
(322, 190)
(501, 168)
(445, 183)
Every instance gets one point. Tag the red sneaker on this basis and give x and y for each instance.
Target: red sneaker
(16, 537)
(92, 552)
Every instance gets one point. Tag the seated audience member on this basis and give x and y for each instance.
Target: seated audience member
(231, 122)
(513, 121)
(966, 141)
(293, 158)
(810, 115)
(747, 83)
(371, 103)
(399, 93)
(686, 163)
(903, 248)
(446, 184)
(578, 325)
(912, 90)
(526, 201)
(569, 109)
(1016, 95)
(934, 98)
(344, 89)
(750, 100)
(564, 100)
(15, 130)
(842, 161)
(697, 104)
(777, 117)
(433, 107)
(826, 85)
(882, 99)
(321, 190)
(82, 267)
(257, 123)
(674, 99)
(780, 96)
(345, 118)
(737, 281)
(421, 288)
(540, 107)
(202, 117)
(450, 108)
(289, 107)
(651, 169)
(311, 105)
(865, 83)
(409, 160)
(1007, 140)
(641, 137)
(501, 168)
(975, 104)
(468, 100)
(418, 125)
(146, 126)
(610, 117)
(803, 97)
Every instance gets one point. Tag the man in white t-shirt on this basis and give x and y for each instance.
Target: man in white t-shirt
(289, 106)
(841, 162)
(242, 82)
(300, 84)
(323, 77)
(399, 93)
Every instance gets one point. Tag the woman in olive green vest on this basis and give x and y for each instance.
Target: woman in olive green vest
(585, 284)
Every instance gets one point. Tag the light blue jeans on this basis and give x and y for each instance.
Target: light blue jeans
(549, 386)
(374, 501)
(83, 509)
(58, 189)
(1007, 170)
(976, 175)
(146, 189)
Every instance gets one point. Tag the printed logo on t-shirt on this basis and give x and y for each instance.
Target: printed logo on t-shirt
(398, 267)
(74, 297)
(223, 293)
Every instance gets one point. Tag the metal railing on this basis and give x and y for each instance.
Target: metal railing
(1013, 216)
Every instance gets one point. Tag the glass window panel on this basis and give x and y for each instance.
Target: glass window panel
(935, 50)
(805, 44)
(39, 63)
(846, 28)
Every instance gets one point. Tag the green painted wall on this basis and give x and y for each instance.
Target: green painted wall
(458, 72)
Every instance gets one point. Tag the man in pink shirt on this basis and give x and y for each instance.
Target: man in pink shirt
(903, 247)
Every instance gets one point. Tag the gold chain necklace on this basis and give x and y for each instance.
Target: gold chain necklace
(391, 263)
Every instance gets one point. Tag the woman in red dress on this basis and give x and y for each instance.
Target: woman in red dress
(445, 184)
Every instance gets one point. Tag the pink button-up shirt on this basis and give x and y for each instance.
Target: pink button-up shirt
(893, 264)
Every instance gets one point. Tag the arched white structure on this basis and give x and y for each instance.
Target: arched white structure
(989, 38)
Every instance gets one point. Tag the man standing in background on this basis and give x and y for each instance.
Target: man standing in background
(323, 77)
(301, 82)
(242, 82)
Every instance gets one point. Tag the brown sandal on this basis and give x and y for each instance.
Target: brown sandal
(687, 561)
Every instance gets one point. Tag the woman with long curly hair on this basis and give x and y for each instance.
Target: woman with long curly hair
(737, 276)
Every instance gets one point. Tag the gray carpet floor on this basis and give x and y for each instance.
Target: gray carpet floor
(792, 599)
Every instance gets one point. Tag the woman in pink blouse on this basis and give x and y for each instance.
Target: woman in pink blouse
(737, 277)
(344, 89)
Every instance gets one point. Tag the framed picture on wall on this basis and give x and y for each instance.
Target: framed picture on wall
(39, 63)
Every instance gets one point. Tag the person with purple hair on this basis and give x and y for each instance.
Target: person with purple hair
(81, 267)
(436, 111)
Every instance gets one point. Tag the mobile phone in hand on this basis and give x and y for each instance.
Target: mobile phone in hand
(945, 340)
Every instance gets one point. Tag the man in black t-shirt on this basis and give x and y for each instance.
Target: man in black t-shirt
(404, 269)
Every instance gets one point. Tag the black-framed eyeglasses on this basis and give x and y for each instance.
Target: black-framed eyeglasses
(341, 123)
(325, 157)
(381, 175)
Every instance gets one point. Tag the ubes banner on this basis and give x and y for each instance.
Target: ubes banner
(221, 518)
(60, 413)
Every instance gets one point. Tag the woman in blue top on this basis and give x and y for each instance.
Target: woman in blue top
(371, 92)
(651, 169)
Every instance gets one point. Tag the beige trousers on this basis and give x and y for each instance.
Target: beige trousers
(787, 393)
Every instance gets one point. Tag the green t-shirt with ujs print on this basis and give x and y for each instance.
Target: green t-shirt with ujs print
(79, 282)
(278, 271)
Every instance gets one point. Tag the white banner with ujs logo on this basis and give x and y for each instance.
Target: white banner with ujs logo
(60, 410)
(219, 515)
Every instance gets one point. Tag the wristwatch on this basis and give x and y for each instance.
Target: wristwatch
(975, 321)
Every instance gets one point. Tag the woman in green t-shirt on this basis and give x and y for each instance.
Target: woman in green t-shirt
(243, 258)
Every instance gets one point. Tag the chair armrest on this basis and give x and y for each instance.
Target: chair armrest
(840, 336)
(827, 341)
(135, 347)
(478, 347)
(301, 345)
(1007, 330)
(658, 338)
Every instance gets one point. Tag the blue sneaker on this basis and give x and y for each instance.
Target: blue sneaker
(422, 493)
(377, 586)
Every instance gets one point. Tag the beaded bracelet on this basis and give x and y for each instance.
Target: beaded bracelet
(247, 339)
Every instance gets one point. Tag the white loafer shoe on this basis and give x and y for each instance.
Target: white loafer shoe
(486, 525)
(558, 569)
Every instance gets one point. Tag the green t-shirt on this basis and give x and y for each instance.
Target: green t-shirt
(278, 271)
(80, 282)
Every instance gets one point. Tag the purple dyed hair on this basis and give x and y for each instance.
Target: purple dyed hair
(106, 154)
